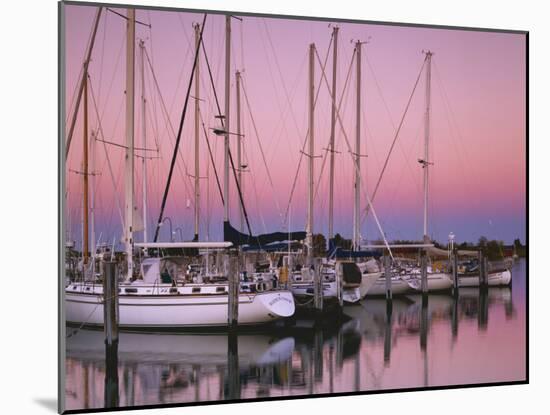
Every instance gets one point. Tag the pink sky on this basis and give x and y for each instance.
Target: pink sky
(478, 141)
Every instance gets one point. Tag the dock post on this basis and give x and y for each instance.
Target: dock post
(110, 326)
(455, 273)
(233, 292)
(482, 270)
(317, 285)
(387, 273)
(454, 319)
(387, 337)
(423, 274)
(233, 390)
(483, 309)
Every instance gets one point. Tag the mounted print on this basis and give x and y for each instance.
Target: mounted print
(257, 207)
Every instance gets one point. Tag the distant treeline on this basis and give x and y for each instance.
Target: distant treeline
(493, 249)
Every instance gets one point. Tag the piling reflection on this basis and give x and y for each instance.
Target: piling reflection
(443, 340)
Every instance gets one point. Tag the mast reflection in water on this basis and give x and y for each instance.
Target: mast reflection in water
(477, 338)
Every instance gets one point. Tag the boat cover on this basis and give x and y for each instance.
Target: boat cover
(230, 234)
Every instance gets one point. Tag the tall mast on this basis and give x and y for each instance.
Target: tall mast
(311, 151)
(426, 161)
(83, 80)
(129, 156)
(357, 181)
(85, 237)
(92, 196)
(226, 117)
(332, 133)
(143, 141)
(239, 146)
(197, 117)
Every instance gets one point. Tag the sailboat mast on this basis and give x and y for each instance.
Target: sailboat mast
(197, 126)
(311, 151)
(129, 156)
(143, 141)
(357, 181)
(92, 196)
(332, 134)
(226, 117)
(239, 146)
(426, 161)
(85, 237)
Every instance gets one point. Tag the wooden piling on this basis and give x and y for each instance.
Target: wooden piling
(110, 326)
(482, 270)
(455, 272)
(317, 285)
(387, 273)
(110, 303)
(423, 273)
(483, 310)
(233, 379)
(233, 292)
(424, 326)
(387, 337)
(454, 319)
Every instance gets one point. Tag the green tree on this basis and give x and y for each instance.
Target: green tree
(482, 242)
(342, 242)
(319, 245)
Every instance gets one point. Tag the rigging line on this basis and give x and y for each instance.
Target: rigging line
(126, 17)
(282, 109)
(379, 89)
(122, 44)
(205, 220)
(454, 139)
(245, 213)
(184, 111)
(256, 198)
(278, 66)
(351, 152)
(339, 106)
(443, 92)
(168, 123)
(123, 146)
(153, 115)
(106, 152)
(81, 88)
(366, 210)
(211, 156)
(305, 143)
(74, 94)
(262, 152)
(101, 60)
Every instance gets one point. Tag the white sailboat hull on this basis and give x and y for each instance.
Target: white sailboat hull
(179, 311)
(494, 279)
(437, 281)
(398, 286)
(305, 289)
(368, 280)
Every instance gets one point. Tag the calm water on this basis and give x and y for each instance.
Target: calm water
(474, 339)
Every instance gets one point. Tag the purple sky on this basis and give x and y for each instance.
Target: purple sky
(478, 142)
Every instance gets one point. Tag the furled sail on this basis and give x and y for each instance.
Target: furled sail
(230, 234)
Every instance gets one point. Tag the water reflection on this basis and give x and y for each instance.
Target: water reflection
(477, 337)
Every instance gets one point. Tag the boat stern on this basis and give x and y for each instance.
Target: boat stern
(278, 303)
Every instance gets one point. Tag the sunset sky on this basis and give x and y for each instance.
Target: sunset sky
(478, 124)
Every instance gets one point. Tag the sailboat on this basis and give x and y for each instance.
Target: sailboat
(160, 295)
(436, 280)
(359, 270)
(469, 275)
